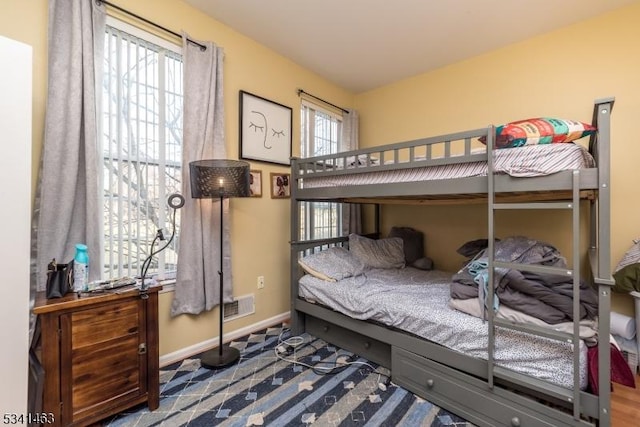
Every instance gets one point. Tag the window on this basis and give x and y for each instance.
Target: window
(141, 146)
(321, 131)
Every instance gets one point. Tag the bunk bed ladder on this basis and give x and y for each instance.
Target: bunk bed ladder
(599, 244)
(570, 396)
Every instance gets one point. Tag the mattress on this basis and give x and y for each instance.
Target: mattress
(527, 161)
(416, 301)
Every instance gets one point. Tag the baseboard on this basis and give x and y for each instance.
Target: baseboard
(192, 350)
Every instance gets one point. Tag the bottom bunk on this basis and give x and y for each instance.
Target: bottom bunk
(402, 318)
(418, 302)
(445, 377)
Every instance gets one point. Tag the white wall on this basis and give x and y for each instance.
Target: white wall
(15, 181)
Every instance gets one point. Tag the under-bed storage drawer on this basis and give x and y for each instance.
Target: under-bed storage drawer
(371, 349)
(469, 397)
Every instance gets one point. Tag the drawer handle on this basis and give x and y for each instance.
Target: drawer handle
(325, 328)
(430, 383)
(367, 345)
(142, 348)
(515, 422)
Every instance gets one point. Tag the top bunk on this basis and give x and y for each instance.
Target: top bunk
(453, 168)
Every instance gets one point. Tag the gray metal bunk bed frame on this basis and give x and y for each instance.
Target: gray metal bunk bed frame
(475, 389)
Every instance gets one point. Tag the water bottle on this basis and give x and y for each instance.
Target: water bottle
(81, 268)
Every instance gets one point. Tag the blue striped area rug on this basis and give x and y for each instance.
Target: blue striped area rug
(311, 383)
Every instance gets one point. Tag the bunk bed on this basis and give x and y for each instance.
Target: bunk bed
(478, 387)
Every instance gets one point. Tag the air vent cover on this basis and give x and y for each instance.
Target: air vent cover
(239, 307)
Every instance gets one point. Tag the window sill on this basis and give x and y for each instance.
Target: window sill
(167, 286)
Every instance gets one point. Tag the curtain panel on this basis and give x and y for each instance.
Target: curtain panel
(67, 207)
(198, 282)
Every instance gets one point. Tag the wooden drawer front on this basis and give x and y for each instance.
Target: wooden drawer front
(106, 322)
(361, 345)
(469, 397)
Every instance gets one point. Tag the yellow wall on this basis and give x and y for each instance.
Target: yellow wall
(26, 21)
(260, 226)
(557, 74)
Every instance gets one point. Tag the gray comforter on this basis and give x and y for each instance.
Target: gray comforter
(416, 301)
(548, 297)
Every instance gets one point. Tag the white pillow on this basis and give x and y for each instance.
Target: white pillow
(332, 264)
(382, 253)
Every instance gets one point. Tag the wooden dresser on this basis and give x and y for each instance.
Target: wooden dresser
(99, 354)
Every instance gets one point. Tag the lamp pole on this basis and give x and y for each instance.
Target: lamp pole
(220, 272)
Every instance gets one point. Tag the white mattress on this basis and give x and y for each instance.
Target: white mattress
(416, 301)
(527, 161)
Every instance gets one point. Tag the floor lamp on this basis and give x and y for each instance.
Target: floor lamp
(211, 179)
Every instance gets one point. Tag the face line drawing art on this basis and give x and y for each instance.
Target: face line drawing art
(255, 127)
(266, 125)
(265, 129)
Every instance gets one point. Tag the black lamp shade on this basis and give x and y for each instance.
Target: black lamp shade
(217, 178)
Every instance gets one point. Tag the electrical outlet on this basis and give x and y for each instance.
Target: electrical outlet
(260, 282)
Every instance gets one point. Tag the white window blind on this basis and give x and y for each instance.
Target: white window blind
(141, 149)
(321, 130)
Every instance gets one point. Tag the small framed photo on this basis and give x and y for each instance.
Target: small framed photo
(265, 130)
(280, 185)
(255, 183)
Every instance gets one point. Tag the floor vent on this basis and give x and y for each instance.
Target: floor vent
(239, 307)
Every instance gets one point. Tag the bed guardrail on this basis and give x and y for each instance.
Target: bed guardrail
(460, 147)
(318, 244)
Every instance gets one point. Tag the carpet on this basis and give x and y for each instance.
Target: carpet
(284, 381)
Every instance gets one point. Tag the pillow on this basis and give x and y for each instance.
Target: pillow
(412, 242)
(632, 256)
(542, 130)
(425, 263)
(627, 272)
(627, 278)
(332, 264)
(382, 253)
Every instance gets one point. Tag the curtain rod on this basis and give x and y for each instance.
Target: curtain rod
(145, 20)
(301, 91)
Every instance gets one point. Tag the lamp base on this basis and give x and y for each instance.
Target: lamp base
(213, 358)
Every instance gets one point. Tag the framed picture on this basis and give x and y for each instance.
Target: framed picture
(265, 130)
(255, 183)
(280, 188)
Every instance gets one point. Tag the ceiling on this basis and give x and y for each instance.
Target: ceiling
(364, 44)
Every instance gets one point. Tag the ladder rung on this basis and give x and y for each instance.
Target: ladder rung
(534, 268)
(539, 205)
(530, 328)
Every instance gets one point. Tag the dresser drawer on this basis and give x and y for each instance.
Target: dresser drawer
(369, 348)
(469, 397)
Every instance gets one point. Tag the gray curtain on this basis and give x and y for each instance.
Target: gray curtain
(67, 207)
(198, 285)
(351, 213)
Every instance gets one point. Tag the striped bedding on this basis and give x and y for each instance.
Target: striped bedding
(416, 301)
(527, 161)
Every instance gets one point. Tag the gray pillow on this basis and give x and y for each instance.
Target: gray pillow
(412, 242)
(332, 264)
(382, 253)
(425, 263)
